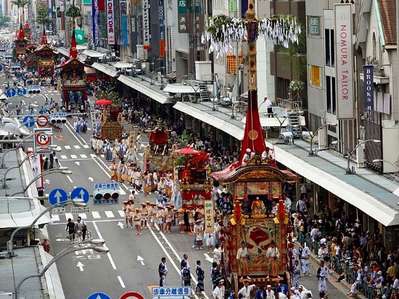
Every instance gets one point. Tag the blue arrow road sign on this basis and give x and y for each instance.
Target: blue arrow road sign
(21, 91)
(1, 67)
(28, 121)
(11, 92)
(80, 194)
(57, 196)
(99, 295)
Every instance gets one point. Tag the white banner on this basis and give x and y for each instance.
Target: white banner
(110, 22)
(344, 61)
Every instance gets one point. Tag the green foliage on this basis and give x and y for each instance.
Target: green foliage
(42, 16)
(20, 3)
(185, 138)
(109, 95)
(73, 12)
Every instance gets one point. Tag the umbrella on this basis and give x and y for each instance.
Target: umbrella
(103, 102)
(187, 151)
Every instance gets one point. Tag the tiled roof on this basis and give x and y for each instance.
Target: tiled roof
(388, 17)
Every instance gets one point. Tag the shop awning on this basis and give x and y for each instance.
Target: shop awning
(123, 65)
(63, 51)
(106, 69)
(145, 89)
(93, 54)
(180, 88)
(372, 199)
(205, 114)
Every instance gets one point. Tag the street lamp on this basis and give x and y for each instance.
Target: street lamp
(349, 156)
(312, 135)
(63, 170)
(10, 242)
(54, 260)
(19, 165)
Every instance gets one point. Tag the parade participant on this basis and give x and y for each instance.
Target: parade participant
(245, 291)
(191, 221)
(296, 274)
(144, 215)
(137, 221)
(114, 168)
(304, 256)
(185, 271)
(322, 276)
(242, 257)
(160, 217)
(126, 212)
(219, 291)
(168, 219)
(70, 228)
(198, 234)
(148, 183)
(217, 254)
(163, 271)
(180, 220)
(131, 197)
(200, 278)
(273, 254)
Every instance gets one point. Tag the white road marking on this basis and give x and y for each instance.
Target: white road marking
(68, 147)
(109, 214)
(86, 146)
(70, 129)
(69, 215)
(76, 146)
(83, 156)
(69, 178)
(111, 260)
(91, 179)
(74, 156)
(140, 260)
(77, 163)
(80, 266)
(121, 213)
(82, 215)
(55, 218)
(121, 282)
(96, 215)
(208, 258)
(63, 157)
(120, 224)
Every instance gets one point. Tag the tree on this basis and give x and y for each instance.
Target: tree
(42, 16)
(21, 4)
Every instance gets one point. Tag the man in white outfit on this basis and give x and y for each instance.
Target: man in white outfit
(322, 276)
(305, 254)
(246, 290)
(218, 292)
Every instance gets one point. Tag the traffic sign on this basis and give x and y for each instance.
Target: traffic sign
(1, 67)
(80, 194)
(57, 196)
(131, 295)
(99, 295)
(11, 92)
(42, 120)
(21, 91)
(171, 292)
(28, 121)
(42, 139)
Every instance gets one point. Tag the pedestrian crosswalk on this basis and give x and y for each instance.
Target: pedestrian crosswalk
(68, 157)
(89, 216)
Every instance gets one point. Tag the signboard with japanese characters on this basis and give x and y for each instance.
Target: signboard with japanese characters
(209, 216)
(146, 24)
(110, 22)
(171, 292)
(182, 16)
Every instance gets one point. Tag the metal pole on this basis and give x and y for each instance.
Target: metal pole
(8, 170)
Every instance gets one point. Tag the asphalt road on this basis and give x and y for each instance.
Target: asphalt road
(132, 261)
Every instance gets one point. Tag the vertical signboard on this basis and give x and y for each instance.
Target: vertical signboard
(161, 28)
(344, 61)
(124, 24)
(110, 22)
(94, 21)
(182, 16)
(368, 87)
(146, 24)
(209, 216)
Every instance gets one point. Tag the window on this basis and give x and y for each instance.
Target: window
(331, 100)
(329, 44)
(315, 75)
(314, 25)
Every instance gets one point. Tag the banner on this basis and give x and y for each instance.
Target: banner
(146, 24)
(94, 21)
(344, 63)
(161, 28)
(182, 16)
(80, 36)
(110, 22)
(368, 87)
(209, 216)
(124, 30)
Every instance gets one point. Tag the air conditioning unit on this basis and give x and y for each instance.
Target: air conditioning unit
(360, 155)
(141, 52)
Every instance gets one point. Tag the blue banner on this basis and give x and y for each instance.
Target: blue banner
(124, 24)
(94, 21)
(368, 87)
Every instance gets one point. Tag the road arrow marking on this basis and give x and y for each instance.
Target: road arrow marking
(120, 224)
(208, 258)
(141, 260)
(47, 181)
(91, 179)
(77, 163)
(80, 266)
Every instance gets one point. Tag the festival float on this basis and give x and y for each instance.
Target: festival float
(111, 119)
(251, 201)
(73, 83)
(21, 43)
(42, 59)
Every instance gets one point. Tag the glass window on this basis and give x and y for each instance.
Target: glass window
(333, 96)
(329, 46)
(314, 25)
(315, 75)
(332, 47)
(328, 94)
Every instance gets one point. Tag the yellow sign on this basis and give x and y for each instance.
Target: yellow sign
(209, 216)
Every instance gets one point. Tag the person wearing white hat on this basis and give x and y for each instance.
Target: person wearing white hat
(219, 291)
(245, 291)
